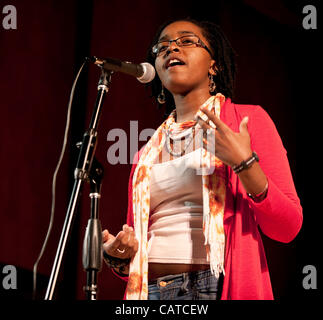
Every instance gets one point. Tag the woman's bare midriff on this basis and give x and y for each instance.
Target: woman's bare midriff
(156, 270)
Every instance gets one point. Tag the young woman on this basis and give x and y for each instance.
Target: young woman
(211, 174)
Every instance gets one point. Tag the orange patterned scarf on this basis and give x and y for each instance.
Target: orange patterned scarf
(213, 181)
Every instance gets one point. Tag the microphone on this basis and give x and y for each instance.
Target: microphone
(144, 72)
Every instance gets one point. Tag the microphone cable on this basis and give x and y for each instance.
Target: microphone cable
(52, 214)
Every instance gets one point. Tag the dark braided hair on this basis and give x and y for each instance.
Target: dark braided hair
(223, 54)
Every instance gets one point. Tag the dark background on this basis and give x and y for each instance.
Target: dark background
(279, 68)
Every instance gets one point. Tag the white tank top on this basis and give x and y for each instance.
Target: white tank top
(175, 234)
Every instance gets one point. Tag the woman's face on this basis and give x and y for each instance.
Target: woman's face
(197, 61)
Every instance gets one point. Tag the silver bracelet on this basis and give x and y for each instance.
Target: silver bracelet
(258, 197)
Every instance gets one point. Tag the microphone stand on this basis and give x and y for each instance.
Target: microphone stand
(83, 173)
(92, 245)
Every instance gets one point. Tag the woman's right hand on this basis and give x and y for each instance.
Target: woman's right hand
(123, 246)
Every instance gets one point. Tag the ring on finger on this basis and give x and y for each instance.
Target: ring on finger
(211, 123)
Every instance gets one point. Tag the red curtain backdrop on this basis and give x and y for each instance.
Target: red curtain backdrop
(278, 62)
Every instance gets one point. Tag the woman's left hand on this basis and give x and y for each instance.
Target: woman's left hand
(230, 147)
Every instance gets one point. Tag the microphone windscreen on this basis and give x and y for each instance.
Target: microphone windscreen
(148, 73)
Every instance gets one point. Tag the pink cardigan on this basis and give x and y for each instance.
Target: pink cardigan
(279, 215)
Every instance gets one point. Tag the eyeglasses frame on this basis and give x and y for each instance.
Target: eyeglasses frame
(200, 44)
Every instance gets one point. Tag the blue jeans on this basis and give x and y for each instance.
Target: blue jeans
(196, 285)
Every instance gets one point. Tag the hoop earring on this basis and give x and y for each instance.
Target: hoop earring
(161, 98)
(212, 85)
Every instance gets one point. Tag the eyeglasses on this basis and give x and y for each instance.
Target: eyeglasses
(184, 41)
